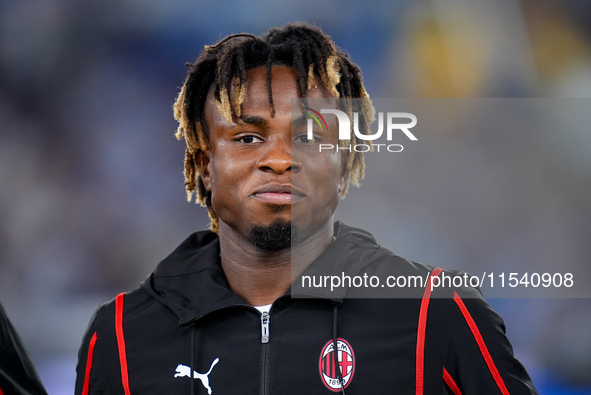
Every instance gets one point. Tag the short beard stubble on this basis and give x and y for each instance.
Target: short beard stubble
(278, 236)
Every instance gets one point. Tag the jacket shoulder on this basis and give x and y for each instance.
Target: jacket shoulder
(476, 341)
(17, 372)
(98, 364)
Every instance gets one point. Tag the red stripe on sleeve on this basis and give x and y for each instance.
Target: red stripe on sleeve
(451, 383)
(1, 393)
(420, 366)
(121, 342)
(88, 365)
(483, 349)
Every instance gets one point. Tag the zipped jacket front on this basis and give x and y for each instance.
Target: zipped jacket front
(184, 331)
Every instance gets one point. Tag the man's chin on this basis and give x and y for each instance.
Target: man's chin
(279, 235)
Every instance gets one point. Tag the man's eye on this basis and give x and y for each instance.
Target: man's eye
(304, 139)
(250, 139)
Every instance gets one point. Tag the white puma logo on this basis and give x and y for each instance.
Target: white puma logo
(185, 371)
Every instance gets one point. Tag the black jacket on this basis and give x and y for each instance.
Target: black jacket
(184, 331)
(17, 373)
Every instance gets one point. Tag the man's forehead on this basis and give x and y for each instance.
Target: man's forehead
(285, 87)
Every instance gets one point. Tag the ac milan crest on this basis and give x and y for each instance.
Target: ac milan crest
(328, 364)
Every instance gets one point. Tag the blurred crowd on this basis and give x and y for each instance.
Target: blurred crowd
(92, 196)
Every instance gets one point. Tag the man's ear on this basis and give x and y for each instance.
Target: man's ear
(203, 160)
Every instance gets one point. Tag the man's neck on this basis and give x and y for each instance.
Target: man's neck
(260, 277)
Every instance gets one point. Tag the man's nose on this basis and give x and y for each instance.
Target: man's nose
(277, 157)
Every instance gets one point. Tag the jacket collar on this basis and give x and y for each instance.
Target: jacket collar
(191, 282)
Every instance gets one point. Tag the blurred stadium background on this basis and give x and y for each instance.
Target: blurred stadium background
(91, 194)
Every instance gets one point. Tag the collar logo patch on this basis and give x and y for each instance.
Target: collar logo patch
(345, 362)
(186, 371)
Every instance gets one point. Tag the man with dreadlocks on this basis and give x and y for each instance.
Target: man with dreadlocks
(221, 314)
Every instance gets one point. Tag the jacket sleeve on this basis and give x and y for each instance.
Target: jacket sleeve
(17, 373)
(479, 356)
(98, 368)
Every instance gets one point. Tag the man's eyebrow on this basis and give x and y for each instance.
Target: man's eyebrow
(301, 120)
(254, 120)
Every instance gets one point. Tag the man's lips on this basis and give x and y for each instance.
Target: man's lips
(278, 194)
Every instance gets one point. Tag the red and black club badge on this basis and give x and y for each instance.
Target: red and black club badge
(345, 361)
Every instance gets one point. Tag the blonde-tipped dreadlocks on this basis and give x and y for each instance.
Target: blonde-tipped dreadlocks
(301, 46)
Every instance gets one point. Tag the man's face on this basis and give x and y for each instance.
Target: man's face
(259, 173)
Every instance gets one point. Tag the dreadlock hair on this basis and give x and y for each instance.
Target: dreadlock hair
(223, 67)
